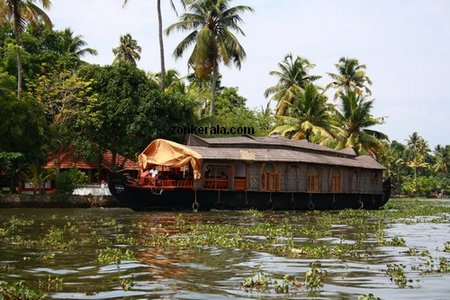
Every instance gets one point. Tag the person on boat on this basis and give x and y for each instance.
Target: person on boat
(143, 178)
(153, 172)
(154, 175)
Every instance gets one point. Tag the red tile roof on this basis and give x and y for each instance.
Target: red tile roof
(68, 158)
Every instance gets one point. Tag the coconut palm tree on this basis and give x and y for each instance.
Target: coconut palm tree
(415, 163)
(355, 120)
(160, 37)
(292, 78)
(442, 159)
(416, 154)
(417, 145)
(308, 116)
(73, 47)
(20, 13)
(351, 77)
(128, 50)
(211, 23)
(174, 83)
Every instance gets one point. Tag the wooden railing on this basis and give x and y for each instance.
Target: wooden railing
(169, 183)
(217, 184)
(240, 184)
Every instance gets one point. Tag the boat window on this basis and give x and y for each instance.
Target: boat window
(292, 180)
(270, 178)
(313, 180)
(217, 177)
(335, 180)
(355, 181)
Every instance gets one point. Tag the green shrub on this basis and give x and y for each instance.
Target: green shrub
(67, 181)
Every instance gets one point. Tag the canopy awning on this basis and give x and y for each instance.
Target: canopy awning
(170, 154)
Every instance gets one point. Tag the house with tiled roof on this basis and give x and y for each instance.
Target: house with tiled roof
(97, 171)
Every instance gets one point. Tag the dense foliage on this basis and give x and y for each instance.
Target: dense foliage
(51, 99)
(416, 169)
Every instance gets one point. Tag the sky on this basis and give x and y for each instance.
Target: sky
(405, 45)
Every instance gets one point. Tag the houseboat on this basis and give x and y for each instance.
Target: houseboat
(249, 172)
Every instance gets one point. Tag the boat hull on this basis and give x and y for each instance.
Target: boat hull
(145, 198)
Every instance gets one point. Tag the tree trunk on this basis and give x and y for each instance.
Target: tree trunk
(415, 181)
(113, 159)
(161, 47)
(19, 62)
(214, 76)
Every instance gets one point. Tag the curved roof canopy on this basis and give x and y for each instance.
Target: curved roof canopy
(170, 154)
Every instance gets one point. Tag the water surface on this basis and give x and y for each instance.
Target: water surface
(69, 253)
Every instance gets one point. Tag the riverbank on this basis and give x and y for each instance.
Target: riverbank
(57, 201)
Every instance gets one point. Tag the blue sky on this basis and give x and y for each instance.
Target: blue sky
(404, 43)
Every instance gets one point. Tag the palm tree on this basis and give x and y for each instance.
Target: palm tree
(351, 77)
(293, 76)
(442, 159)
(211, 23)
(73, 47)
(160, 37)
(417, 151)
(307, 116)
(174, 83)
(21, 13)
(128, 50)
(415, 163)
(417, 145)
(355, 119)
(392, 159)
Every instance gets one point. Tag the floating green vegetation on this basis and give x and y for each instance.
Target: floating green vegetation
(126, 284)
(444, 266)
(6, 268)
(369, 296)
(297, 235)
(20, 291)
(115, 255)
(446, 247)
(14, 225)
(396, 241)
(51, 283)
(49, 256)
(319, 251)
(264, 282)
(259, 281)
(315, 277)
(429, 266)
(57, 239)
(396, 273)
(252, 212)
(412, 252)
(288, 283)
(123, 239)
(347, 234)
